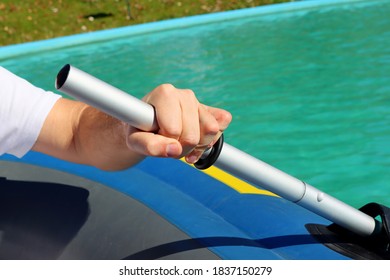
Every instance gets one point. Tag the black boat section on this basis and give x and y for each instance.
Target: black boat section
(64, 216)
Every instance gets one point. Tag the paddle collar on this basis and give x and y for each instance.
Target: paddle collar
(211, 158)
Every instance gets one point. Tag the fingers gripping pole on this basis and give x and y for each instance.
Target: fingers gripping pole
(119, 104)
(139, 114)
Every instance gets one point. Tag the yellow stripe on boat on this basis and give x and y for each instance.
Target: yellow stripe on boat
(234, 182)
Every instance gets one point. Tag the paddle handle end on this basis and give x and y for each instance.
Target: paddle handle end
(103, 96)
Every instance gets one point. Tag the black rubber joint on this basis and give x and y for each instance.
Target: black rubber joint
(212, 157)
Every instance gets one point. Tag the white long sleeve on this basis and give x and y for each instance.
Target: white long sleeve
(23, 110)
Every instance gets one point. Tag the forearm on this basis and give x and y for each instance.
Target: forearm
(76, 132)
(100, 140)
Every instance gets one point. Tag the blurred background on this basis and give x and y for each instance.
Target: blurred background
(30, 20)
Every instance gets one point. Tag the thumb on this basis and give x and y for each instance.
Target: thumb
(150, 144)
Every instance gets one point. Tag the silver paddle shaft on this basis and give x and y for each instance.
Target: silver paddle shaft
(127, 108)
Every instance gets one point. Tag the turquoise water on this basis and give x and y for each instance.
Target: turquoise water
(309, 90)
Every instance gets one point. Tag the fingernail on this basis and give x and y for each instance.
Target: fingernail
(194, 156)
(172, 150)
(192, 159)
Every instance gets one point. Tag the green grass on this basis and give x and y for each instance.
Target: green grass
(30, 20)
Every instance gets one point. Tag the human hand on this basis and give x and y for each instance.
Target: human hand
(186, 127)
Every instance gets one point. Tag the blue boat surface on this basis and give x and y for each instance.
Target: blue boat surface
(159, 209)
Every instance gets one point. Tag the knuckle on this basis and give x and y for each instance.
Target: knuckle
(171, 131)
(166, 88)
(189, 92)
(190, 140)
(190, 96)
(227, 116)
(211, 128)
